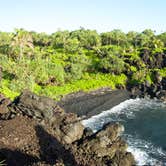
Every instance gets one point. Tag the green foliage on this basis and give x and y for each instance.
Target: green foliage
(76, 65)
(162, 72)
(110, 60)
(112, 64)
(115, 37)
(72, 46)
(65, 62)
(162, 37)
(142, 76)
(7, 91)
(87, 38)
(89, 82)
(28, 72)
(139, 76)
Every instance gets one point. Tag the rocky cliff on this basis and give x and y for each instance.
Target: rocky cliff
(34, 130)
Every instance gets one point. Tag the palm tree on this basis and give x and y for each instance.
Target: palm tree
(21, 39)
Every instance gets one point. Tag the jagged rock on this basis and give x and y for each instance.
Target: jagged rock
(72, 132)
(103, 147)
(36, 106)
(64, 141)
(123, 159)
(162, 95)
(112, 131)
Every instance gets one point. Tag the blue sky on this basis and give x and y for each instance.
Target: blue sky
(102, 15)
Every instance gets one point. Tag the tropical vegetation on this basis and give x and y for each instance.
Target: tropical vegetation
(69, 61)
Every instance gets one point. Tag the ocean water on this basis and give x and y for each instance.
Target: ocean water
(145, 128)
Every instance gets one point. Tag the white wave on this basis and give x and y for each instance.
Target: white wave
(127, 108)
(117, 109)
(141, 149)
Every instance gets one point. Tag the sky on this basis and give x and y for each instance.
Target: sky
(102, 15)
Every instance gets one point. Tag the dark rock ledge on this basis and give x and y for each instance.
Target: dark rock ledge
(94, 102)
(36, 131)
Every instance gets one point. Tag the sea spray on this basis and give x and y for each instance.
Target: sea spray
(131, 113)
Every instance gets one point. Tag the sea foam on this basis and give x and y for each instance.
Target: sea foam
(141, 149)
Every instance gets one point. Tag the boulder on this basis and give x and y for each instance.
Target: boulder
(72, 132)
(105, 148)
(35, 106)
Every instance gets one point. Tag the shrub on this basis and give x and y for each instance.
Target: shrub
(28, 72)
(112, 64)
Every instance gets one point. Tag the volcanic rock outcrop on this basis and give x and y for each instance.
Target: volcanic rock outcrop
(38, 132)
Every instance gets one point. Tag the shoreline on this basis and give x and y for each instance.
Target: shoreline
(87, 104)
(94, 102)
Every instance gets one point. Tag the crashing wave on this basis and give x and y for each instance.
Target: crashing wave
(145, 152)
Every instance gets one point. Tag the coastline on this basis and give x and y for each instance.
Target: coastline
(94, 102)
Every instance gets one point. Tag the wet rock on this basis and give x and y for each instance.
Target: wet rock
(112, 131)
(87, 132)
(135, 91)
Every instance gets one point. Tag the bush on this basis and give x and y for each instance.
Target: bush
(142, 76)
(28, 72)
(112, 64)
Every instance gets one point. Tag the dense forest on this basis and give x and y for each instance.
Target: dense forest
(70, 61)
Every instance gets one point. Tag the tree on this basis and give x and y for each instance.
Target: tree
(106, 38)
(59, 39)
(115, 37)
(41, 39)
(132, 38)
(20, 41)
(72, 45)
(148, 32)
(5, 40)
(162, 37)
(88, 38)
(112, 64)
